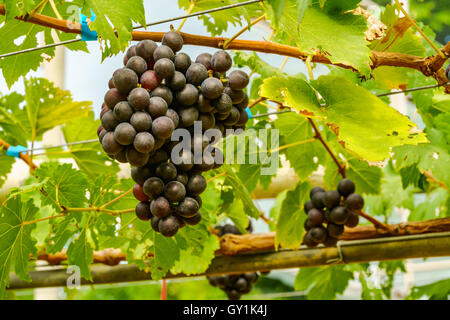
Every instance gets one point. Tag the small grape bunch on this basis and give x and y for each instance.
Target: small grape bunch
(334, 208)
(234, 285)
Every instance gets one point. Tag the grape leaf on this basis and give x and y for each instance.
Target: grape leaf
(109, 22)
(330, 30)
(427, 157)
(234, 209)
(217, 22)
(439, 290)
(6, 164)
(255, 63)
(19, 65)
(434, 206)
(165, 253)
(289, 229)
(16, 242)
(240, 190)
(392, 195)
(65, 185)
(197, 247)
(90, 157)
(295, 128)
(370, 129)
(80, 254)
(19, 8)
(323, 283)
(292, 92)
(11, 128)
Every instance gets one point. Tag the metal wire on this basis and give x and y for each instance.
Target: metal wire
(61, 145)
(412, 89)
(39, 48)
(201, 13)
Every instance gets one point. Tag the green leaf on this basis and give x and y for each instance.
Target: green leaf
(6, 164)
(302, 5)
(277, 7)
(48, 106)
(392, 195)
(218, 22)
(197, 251)
(434, 206)
(367, 177)
(323, 283)
(80, 253)
(427, 157)
(295, 128)
(90, 157)
(289, 229)
(439, 290)
(240, 190)
(255, 63)
(165, 253)
(14, 67)
(119, 20)
(292, 92)
(19, 8)
(16, 242)
(368, 129)
(65, 185)
(11, 129)
(331, 30)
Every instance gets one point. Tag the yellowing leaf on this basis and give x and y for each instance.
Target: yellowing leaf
(367, 126)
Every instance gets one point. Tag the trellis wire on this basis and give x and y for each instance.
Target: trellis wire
(138, 27)
(39, 48)
(201, 13)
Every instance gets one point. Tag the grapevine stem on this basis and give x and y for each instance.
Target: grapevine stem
(320, 138)
(284, 63)
(227, 42)
(217, 176)
(191, 7)
(378, 224)
(41, 4)
(400, 7)
(55, 10)
(271, 35)
(255, 102)
(432, 179)
(42, 219)
(117, 198)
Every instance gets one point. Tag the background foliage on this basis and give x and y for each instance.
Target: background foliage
(392, 158)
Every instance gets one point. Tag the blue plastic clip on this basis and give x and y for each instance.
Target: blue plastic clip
(15, 151)
(249, 113)
(86, 33)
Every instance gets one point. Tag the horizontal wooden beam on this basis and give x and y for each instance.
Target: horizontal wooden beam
(392, 248)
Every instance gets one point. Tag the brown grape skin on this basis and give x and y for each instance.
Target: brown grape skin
(168, 226)
(139, 194)
(110, 144)
(135, 158)
(149, 80)
(160, 207)
(193, 220)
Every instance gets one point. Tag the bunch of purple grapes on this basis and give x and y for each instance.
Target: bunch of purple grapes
(159, 90)
(234, 285)
(336, 209)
